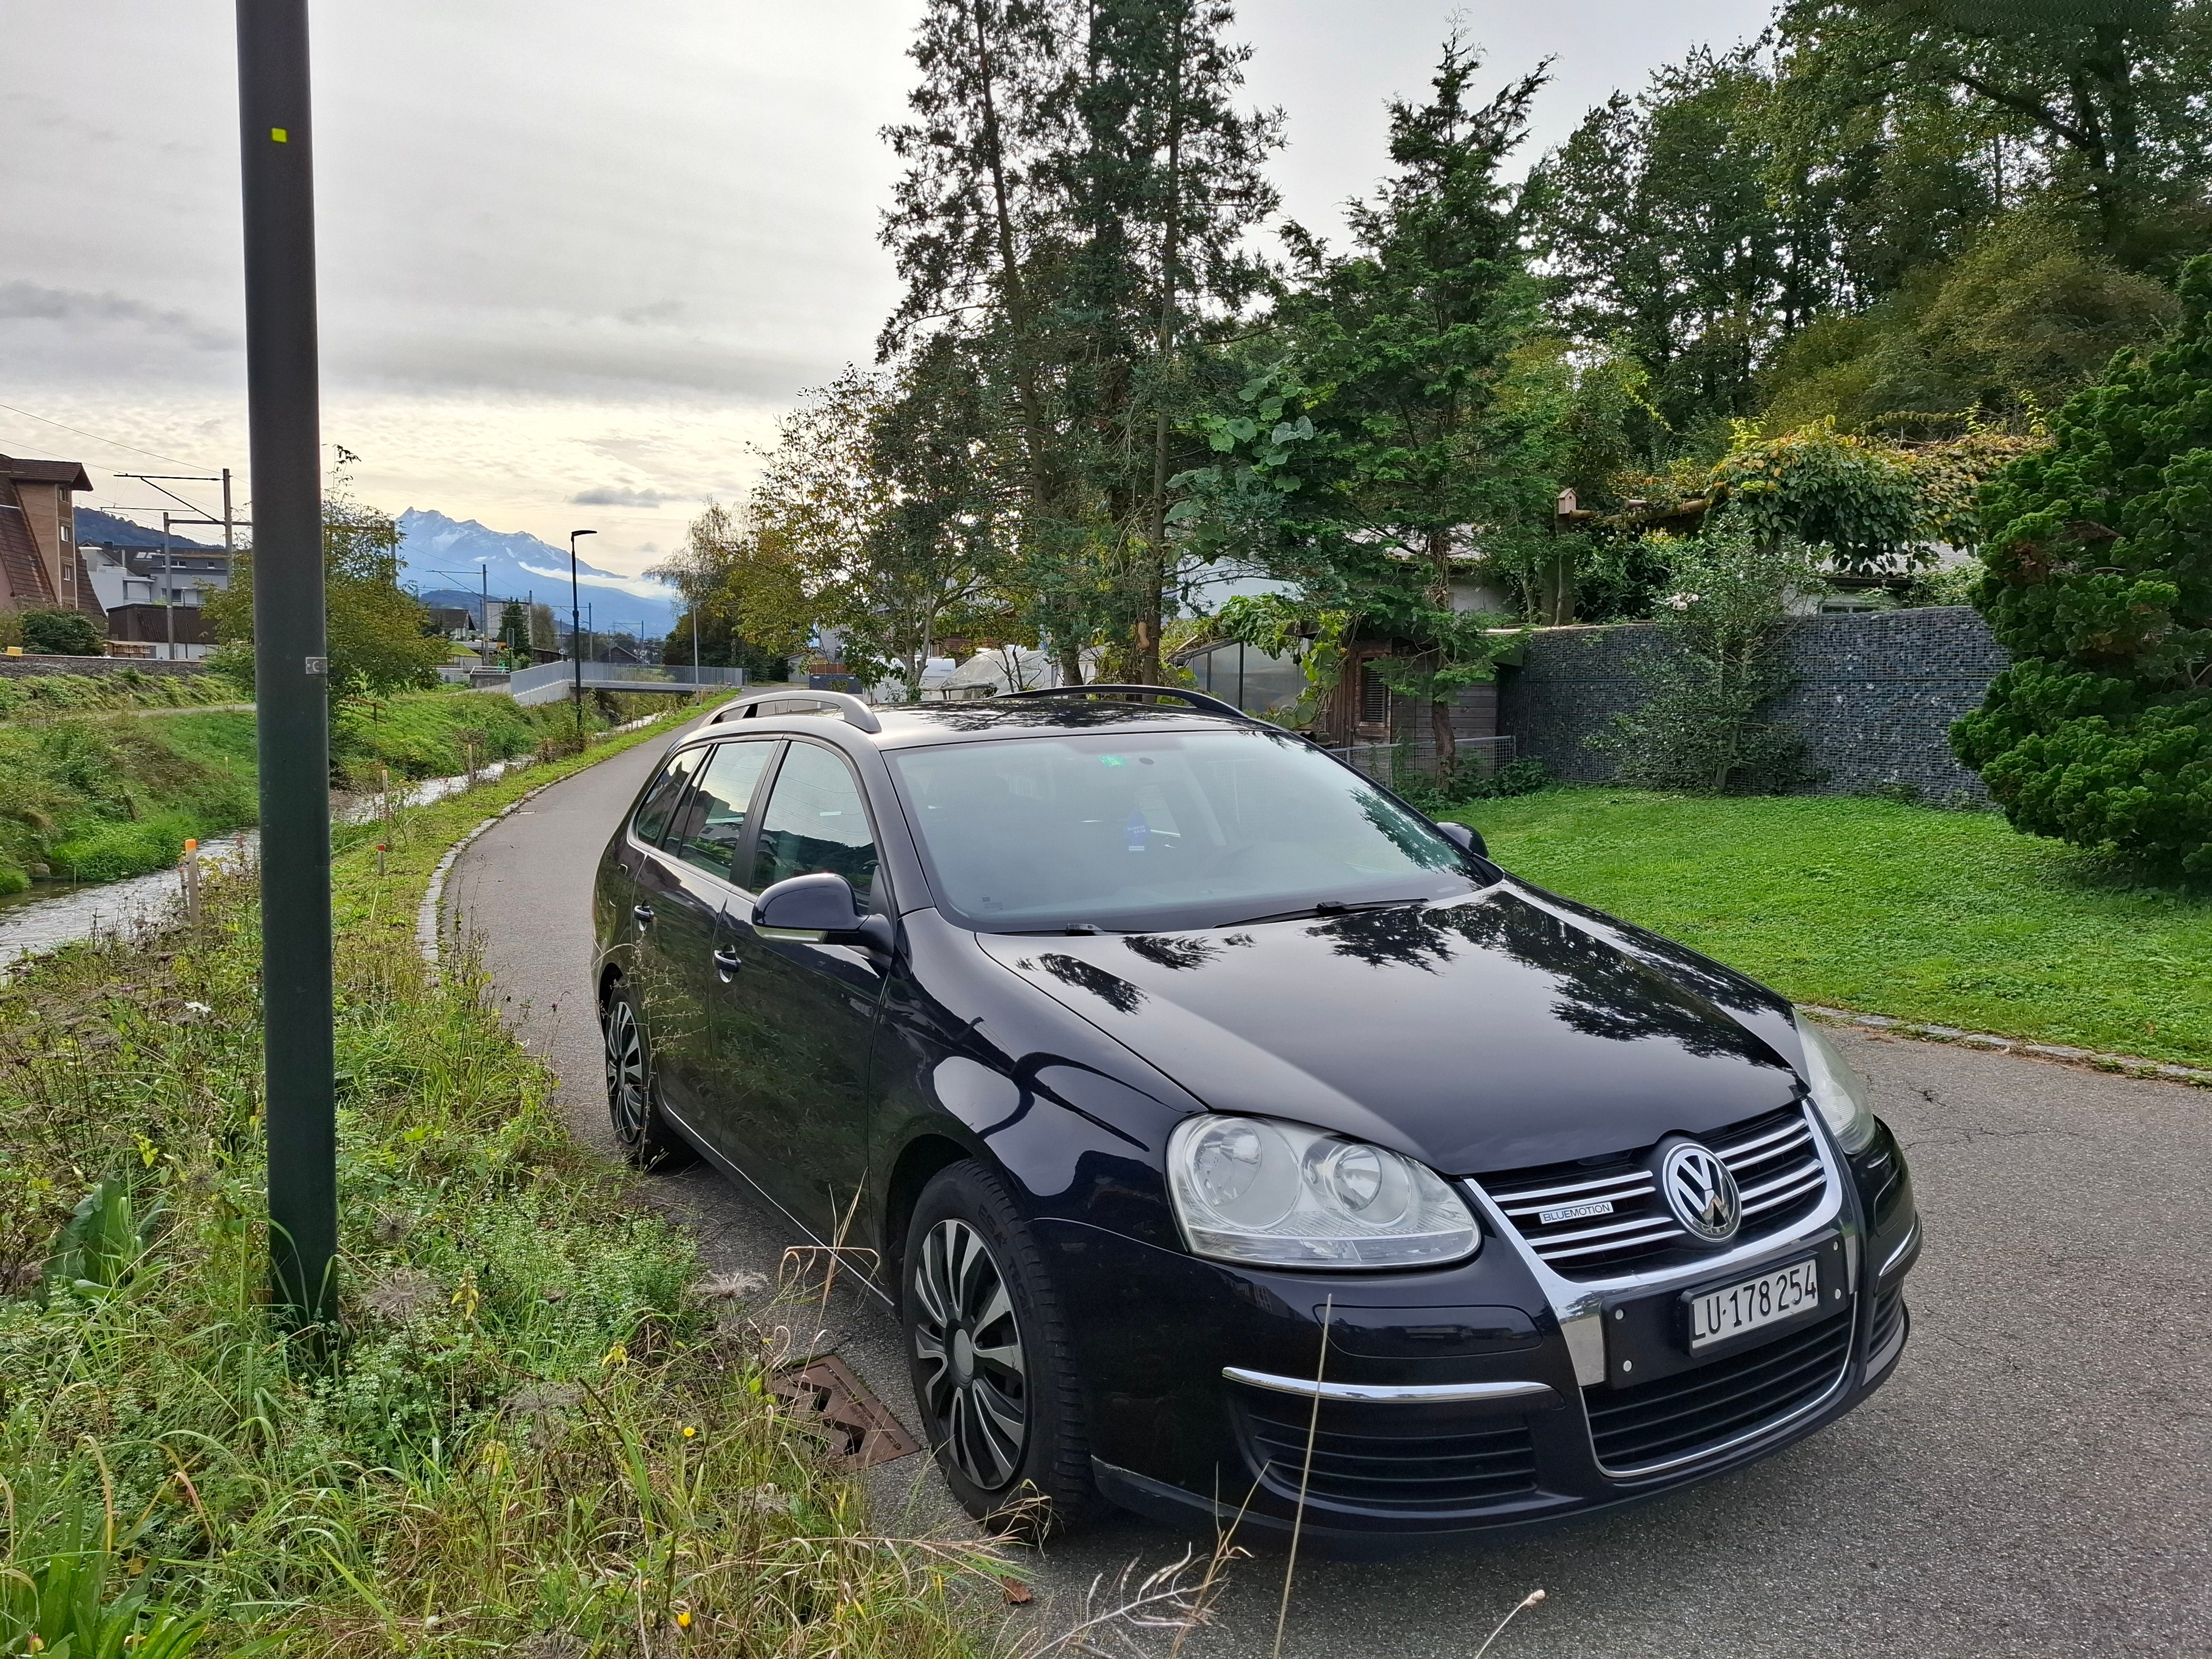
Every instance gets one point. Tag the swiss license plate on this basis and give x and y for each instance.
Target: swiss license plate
(1784, 1293)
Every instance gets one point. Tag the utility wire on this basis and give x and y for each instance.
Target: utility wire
(94, 436)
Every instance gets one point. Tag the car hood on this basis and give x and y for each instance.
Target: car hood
(1492, 1032)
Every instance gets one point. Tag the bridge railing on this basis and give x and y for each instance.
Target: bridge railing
(549, 682)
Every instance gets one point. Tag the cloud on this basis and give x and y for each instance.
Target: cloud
(614, 495)
(29, 302)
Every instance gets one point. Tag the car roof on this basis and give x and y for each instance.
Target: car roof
(913, 725)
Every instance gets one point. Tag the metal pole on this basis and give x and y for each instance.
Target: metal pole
(168, 588)
(483, 606)
(290, 656)
(575, 627)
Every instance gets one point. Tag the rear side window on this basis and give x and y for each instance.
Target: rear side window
(659, 803)
(714, 817)
(815, 821)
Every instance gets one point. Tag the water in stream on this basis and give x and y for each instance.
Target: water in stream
(56, 913)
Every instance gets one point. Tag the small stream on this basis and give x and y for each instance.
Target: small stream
(56, 912)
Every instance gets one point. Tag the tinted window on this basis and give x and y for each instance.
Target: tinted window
(653, 812)
(1146, 830)
(714, 817)
(815, 821)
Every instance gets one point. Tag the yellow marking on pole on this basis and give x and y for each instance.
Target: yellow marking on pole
(280, 136)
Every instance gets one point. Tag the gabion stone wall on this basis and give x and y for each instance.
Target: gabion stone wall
(1874, 697)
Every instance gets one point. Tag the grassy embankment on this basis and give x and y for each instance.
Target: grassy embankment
(1942, 918)
(92, 791)
(543, 1434)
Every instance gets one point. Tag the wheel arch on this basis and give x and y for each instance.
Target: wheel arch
(920, 1159)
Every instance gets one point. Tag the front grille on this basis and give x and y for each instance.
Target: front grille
(1698, 1411)
(1398, 1458)
(1778, 1172)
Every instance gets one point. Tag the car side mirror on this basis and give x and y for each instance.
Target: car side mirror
(1467, 840)
(819, 909)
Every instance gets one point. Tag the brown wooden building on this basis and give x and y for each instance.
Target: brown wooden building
(40, 566)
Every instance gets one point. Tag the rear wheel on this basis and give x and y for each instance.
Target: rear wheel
(994, 1370)
(633, 1096)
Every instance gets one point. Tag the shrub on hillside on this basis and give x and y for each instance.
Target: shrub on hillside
(2100, 584)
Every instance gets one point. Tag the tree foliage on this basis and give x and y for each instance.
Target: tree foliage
(745, 599)
(63, 633)
(377, 635)
(1078, 189)
(1386, 446)
(2100, 584)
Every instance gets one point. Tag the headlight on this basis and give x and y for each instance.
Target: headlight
(1836, 1090)
(1253, 1189)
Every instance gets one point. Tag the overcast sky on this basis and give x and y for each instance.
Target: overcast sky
(575, 256)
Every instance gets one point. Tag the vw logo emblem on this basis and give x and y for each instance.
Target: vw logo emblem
(1700, 1191)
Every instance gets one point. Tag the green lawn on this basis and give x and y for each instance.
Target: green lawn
(1945, 917)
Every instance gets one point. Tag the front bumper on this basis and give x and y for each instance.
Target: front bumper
(1454, 1401)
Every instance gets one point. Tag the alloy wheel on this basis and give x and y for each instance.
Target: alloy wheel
(627, 1102)
(975, 1376)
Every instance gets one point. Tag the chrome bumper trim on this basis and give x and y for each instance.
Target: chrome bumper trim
(1395, 1394)
(1910, 1243)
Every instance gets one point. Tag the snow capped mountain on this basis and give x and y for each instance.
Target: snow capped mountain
(436, 552)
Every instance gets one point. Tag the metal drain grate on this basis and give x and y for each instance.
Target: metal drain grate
(861, 1433)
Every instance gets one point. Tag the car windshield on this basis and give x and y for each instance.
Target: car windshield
(1140, 831)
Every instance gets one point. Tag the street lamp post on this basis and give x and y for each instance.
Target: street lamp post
(575, 624)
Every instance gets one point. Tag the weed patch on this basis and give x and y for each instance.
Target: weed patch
(535, 1428)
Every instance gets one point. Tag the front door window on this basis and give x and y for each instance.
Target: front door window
(816, 821)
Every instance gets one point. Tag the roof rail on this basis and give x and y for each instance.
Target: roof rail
(1198, 699)
(856, 712)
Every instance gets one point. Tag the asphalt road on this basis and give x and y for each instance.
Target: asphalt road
(2035, 1479)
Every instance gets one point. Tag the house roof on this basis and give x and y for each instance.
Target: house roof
(66, 473)
(24, 571)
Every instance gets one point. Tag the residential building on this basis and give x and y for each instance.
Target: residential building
(40, 566)
(138, 584)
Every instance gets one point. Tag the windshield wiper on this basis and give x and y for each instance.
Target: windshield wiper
(1321, 907)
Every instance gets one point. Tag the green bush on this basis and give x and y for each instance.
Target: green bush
(2100, 584)
(62, 634)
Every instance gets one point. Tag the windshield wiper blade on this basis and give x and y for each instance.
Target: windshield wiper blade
(1321, 907)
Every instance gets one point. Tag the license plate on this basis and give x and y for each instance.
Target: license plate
(1716, 1315)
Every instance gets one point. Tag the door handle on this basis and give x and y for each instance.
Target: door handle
(727, 962)
(643, 913)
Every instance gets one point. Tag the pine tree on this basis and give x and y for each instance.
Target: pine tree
(2100, 584)
(1391, 414)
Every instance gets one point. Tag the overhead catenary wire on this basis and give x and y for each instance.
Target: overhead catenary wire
(96, 437)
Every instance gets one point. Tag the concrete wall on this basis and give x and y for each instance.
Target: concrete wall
(1874, 697)
(29, 666)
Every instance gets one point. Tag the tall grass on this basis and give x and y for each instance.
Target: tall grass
(97, 796)
(535, 1428)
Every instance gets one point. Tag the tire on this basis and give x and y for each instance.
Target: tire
(1000, 1396)
(633, 1092)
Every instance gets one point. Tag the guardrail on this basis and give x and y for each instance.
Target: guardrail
(549, 682)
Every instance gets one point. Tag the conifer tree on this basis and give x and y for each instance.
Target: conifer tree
(2100, 584)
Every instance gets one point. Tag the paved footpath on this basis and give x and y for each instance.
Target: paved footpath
(2036, 1480)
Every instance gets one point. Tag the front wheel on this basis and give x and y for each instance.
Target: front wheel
(633, 1096)
(994, 1371)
